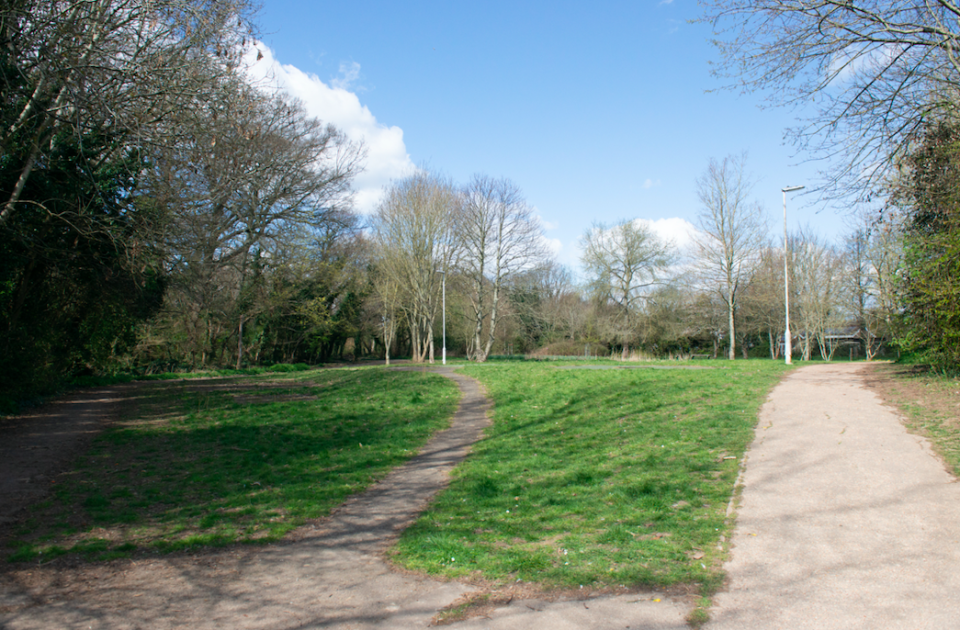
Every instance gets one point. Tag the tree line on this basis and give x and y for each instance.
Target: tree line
(158, 211)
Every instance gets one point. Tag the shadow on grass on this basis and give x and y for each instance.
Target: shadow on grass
(196, 466)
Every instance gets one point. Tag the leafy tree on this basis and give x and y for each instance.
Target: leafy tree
(929, 192)
(86, 89)
(73, 69)
(71, 295)
(249, 172)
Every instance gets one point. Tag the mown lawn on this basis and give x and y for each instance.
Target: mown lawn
(597, 478)
(245, 460)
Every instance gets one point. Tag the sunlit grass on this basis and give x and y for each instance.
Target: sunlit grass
(604, 478)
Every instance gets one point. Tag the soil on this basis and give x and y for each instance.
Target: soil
(38, 445)
(336, 573)
(900, 385)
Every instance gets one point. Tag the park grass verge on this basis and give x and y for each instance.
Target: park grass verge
(596, 479)
(928, 401)
(243, 460)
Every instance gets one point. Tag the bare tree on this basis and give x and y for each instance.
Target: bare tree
(537, 296)
(875, 71)
(415, 232)
(762, 299)
(818, 274)
(623, 264)
(731, 233)
(110, 69)
(387, 292)
(501, 237)
(248, 170)
(873, 253)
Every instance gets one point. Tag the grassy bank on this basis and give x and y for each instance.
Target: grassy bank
(597, 478)
(242, 460)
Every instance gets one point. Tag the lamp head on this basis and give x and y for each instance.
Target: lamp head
(792, 188)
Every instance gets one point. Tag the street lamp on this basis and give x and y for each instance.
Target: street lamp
(787, 341)
(443, 277)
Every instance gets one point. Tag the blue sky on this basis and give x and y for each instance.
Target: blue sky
(600, 113)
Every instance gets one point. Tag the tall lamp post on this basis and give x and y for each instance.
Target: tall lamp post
(443, 277)
(787, 339)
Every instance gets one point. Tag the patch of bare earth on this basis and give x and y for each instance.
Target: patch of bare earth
(39, 449)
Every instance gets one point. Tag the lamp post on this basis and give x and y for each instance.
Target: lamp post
(787, 340)
(443, 277)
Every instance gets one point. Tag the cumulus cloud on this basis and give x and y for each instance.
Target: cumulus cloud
(553, 245)
(547, 225)
(675, 230)
(386, 153)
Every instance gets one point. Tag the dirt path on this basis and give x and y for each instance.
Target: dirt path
(846, 521)
(36, 446)
(329, 575)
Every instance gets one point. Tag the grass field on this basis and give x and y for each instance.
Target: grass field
(599, 479)
(245, 460)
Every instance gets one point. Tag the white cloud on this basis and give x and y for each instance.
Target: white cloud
(553, 245)
(861, 62)
(349, 73)
(386, 153)
(546, 225)
(649, 183)
(675, 230)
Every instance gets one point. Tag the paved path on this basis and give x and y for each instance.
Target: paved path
(846, 521)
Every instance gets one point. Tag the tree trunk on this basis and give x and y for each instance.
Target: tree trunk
(493, 323)
(730, 323)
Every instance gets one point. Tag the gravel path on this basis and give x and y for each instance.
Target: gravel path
(846, 521)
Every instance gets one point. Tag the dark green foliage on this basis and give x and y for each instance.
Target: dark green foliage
(931, 283)
(70, 299)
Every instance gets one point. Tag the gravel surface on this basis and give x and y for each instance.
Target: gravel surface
(846, 521)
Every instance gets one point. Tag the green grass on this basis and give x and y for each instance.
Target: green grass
(248, 465)
(601, 478)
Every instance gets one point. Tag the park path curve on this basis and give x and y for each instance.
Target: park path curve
(329, 575)
(846, 519)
